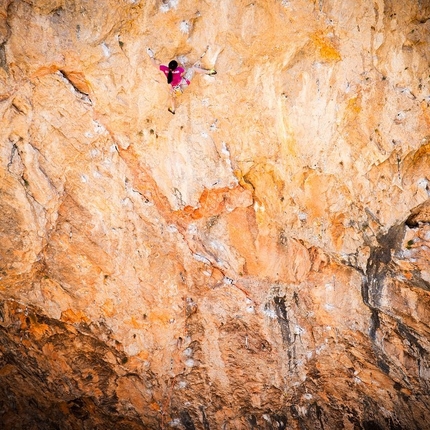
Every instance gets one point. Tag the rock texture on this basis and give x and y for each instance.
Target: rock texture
(260, 260)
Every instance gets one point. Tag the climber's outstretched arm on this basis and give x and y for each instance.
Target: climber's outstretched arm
(154, 61)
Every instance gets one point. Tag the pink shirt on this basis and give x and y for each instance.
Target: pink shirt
(177, 74)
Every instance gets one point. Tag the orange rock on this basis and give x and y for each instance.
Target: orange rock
(73, 316)
(260, 259)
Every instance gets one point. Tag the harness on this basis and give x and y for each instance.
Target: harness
(177, 89)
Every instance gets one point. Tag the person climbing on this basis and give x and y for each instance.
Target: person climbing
(178, 77)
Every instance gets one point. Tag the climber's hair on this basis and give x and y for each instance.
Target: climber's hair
(172, 66)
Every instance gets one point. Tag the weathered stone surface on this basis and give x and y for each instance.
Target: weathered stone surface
(259, 260)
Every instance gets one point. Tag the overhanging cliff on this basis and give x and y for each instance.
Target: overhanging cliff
(259, 260)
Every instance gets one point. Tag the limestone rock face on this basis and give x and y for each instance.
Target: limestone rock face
(259, 260)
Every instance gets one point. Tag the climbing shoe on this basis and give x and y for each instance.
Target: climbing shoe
(171, 110)
(211, 72)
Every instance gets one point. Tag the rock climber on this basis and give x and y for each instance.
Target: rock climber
(178, 77)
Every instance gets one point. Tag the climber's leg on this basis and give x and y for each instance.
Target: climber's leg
(172, 108)
(189, 74)
(202, 71)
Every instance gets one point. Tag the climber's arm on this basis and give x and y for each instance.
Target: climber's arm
(154, 61)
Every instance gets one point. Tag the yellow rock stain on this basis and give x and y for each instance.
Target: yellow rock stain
(325, 47)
